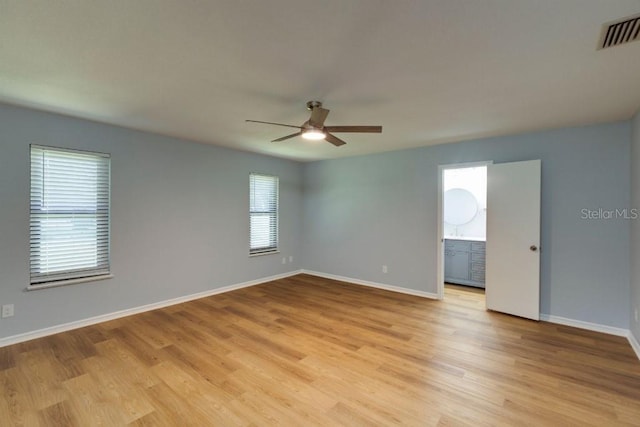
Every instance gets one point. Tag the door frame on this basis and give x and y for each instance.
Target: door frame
(440, 235)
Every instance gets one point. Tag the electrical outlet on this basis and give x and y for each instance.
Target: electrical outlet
(7, 310)
(385, 269)
(290, 258)
(284, 260)
(636, 314)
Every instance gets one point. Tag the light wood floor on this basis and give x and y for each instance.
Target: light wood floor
(306, 351)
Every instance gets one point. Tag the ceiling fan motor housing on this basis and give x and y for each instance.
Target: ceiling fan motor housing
(306, 126)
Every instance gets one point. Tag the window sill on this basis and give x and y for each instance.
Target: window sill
(264, 253)
(58, 283)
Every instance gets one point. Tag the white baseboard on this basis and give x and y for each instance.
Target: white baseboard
(14, 339)
(635, 345)
(621, 332)
(373, 284)
(585, 325)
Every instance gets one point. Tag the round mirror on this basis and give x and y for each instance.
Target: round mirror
(460, 206)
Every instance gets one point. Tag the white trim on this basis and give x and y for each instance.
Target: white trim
(384, 286)
(135, 310)
(544, 317)
(596, 327)
(71, 150)
(466, 165)
(275, 251)
(440, 235)
(635, 345)
(584, 325)
(58, 283)
(15, 339)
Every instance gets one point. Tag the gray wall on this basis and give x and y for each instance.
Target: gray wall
(363, 212)
(634, 325)
(179, 218)
(180, 221)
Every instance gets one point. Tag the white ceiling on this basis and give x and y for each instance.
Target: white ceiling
(429, 71)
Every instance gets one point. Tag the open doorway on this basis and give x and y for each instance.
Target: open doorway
(462, 223)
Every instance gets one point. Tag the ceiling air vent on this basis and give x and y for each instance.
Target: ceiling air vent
(621, 31)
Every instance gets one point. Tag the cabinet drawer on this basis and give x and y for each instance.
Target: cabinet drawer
(457, 245)
(477, 266)
(478, 256)
(477, 276)
(478, 246)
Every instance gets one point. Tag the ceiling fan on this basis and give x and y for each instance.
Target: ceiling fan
(315, 129)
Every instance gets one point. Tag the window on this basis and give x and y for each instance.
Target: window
(69, 216)
(263, 214)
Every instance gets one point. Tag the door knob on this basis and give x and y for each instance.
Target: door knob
(533, 248)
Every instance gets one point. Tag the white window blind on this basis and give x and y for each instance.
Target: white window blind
(69, 217)
(263, 213)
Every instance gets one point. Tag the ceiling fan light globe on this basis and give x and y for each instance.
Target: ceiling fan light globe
(313, 134)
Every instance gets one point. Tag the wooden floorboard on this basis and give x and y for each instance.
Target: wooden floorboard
(307, 351)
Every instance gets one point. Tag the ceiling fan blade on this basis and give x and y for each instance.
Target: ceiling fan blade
(287, 137)
(271, 123)
(359, 129)
(334, 140)
(318, 116)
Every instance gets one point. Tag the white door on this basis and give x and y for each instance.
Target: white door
(513, 238)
